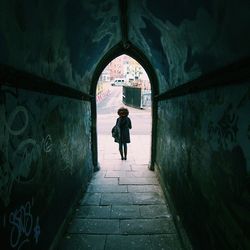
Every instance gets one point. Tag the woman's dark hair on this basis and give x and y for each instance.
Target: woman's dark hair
(123, 111)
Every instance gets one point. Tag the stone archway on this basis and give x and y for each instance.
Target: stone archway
(136, 54)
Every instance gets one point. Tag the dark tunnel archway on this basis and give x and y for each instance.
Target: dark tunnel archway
(130, 50)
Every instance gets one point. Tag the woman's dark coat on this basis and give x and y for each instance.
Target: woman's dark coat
(125, 124)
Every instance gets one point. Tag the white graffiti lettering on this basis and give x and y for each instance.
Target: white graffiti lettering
(37, 230)
(20, 164)
(27, 152)
(12, 117)
(47, 144)
(22, 225)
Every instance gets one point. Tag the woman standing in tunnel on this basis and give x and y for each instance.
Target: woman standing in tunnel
(124, 123)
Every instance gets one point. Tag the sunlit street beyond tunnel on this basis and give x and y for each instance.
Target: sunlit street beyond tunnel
(140, 146)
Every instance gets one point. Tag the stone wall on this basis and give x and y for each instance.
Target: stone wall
(202, 139)
(203, 156)
(45, 164)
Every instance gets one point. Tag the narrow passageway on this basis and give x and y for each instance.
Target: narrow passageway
(59, 165)
(124, 206)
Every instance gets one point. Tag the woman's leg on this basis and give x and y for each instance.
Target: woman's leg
(125, 151)
(120, 149)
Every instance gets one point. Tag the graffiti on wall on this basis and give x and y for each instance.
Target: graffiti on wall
(226, 128)
(47, 144)
(24, 226)
(20, 152)
(41, 141)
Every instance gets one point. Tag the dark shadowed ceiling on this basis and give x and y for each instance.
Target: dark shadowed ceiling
(64, 40)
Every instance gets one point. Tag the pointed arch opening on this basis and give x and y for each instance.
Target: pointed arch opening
(131, 52)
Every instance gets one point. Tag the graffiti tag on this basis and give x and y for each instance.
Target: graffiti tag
(226, 129)
(47, 144)
(18, 163)
(22, 222)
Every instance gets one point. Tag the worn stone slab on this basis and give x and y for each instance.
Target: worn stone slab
(140, 174)
(113, 173)
(147, 198)
(111, 181)
(93, 212)
(116, 164)
(146, 173)
(128, 242)
(121, 168)
(131, 181)
(99, 174)
(142, 161)
(94, 226)
(125, 212)
(154, 211)
(116, 199)
(107, 188)
(166, 242)
(110, 156)
(143, 188)
(139, 167)
(91, 199)
(82, 241)
(147, 226)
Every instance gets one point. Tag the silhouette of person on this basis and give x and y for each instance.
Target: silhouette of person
(124, 123)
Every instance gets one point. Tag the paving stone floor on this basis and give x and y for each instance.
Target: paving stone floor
(123, 208)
